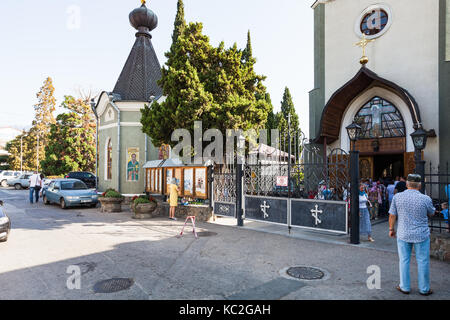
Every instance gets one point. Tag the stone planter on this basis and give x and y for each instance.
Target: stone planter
(110, 204)
(143, 210)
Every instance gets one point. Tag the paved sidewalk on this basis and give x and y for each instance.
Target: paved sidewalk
(231, 263)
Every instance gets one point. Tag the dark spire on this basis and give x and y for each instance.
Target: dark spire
(138, 79)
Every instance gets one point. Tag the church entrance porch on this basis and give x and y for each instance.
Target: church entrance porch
(383, 166)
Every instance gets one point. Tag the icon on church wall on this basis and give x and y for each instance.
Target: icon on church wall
(164, 152)
(133, 164)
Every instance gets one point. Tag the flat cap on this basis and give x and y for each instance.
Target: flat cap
(414, 177)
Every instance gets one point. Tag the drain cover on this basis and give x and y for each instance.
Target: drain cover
(206, 233)
(113, 285)
(305, 273)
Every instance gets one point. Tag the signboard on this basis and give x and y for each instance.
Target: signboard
(188, 181)
(200, 182)
(282, 181)
(319, 214)
(266, 209)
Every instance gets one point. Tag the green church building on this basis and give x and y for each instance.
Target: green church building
(123, 148)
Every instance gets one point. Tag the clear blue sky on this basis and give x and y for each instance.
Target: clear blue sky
(41, 38)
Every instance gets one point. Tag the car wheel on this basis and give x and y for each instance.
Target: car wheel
(17, 186)
(63, 203)
(45, 200)
(4, 183)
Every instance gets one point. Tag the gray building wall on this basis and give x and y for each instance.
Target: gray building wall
(317, 95)
(444, 81)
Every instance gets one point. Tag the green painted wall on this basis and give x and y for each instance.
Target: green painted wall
(317, 95)
(130, 137)
(444, 81)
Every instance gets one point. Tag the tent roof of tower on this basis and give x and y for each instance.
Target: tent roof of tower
(139, 77)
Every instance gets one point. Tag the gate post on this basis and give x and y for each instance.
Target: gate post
(354, 193)
(239, 212)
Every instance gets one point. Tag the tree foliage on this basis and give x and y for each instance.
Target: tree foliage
(71, 143)
(200, 82)
(287, 109)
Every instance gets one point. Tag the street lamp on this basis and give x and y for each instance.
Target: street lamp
(419, 138)
(354, 132)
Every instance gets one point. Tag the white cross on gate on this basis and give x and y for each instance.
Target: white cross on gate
(264, 207)
(315, 214)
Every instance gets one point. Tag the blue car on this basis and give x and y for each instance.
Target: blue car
(69, 193)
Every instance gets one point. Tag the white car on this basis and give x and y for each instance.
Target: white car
(7, 175)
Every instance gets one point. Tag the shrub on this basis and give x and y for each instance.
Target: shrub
(111, 193)
(141, 200)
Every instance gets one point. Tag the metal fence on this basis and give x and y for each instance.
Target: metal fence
(437, 186)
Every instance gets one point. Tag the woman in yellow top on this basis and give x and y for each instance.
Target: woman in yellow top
(173, 198)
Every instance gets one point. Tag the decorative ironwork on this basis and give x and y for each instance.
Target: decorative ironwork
(314, 173)
(437, 186)
(224, 183)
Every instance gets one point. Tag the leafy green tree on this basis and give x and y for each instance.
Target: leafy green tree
(28, 154)
(214, 85)
(71, 145)
(287, 109)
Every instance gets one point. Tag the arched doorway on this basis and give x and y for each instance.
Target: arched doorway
(382, 143)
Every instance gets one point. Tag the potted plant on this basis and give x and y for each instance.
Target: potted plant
(143, 206)
(111, 201)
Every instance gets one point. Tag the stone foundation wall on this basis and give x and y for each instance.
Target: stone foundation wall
(201, 213)
(440, 246)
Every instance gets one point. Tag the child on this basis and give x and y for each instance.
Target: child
(444, 211)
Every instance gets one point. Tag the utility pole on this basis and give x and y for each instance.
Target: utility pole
(21, 153)
(37, 153)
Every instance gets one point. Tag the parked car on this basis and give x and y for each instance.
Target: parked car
(7, 175)
(22, 181)
(5, 224)
(45, 183)
(70, 192)
(88, 178)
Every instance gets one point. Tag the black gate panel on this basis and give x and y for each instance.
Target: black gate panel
(225, 209)
(317, 214)
(266, 209)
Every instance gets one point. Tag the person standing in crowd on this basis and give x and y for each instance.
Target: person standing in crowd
(412, 208)
(374, 194)
(382, 209)
(390, 191)
(173, 198)
(444, 212)
(364, 220)
(35, 186)
(400, 186)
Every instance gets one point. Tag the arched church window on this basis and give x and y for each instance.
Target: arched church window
(379, 118)
(109, 161)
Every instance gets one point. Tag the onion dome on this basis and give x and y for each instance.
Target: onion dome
(143, 19)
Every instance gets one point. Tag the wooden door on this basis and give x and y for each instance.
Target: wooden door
(409, 163)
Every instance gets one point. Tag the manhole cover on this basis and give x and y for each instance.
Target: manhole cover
(113, 285)
(305, 273)
(206, 234)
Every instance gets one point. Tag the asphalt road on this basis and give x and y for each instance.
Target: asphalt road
(48, 246)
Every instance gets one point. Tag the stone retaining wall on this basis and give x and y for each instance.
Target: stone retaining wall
(440, 246)
(201, 213)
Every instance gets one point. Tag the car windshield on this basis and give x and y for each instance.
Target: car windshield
(73, 185)
(7, 174)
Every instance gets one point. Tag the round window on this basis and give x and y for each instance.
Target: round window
(374, 21)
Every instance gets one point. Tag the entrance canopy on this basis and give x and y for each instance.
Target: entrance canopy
(330, 123)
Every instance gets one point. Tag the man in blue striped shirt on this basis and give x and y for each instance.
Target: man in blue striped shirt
(412, 210)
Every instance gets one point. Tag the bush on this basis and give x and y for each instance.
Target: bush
(111, 193)
(141, 200)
